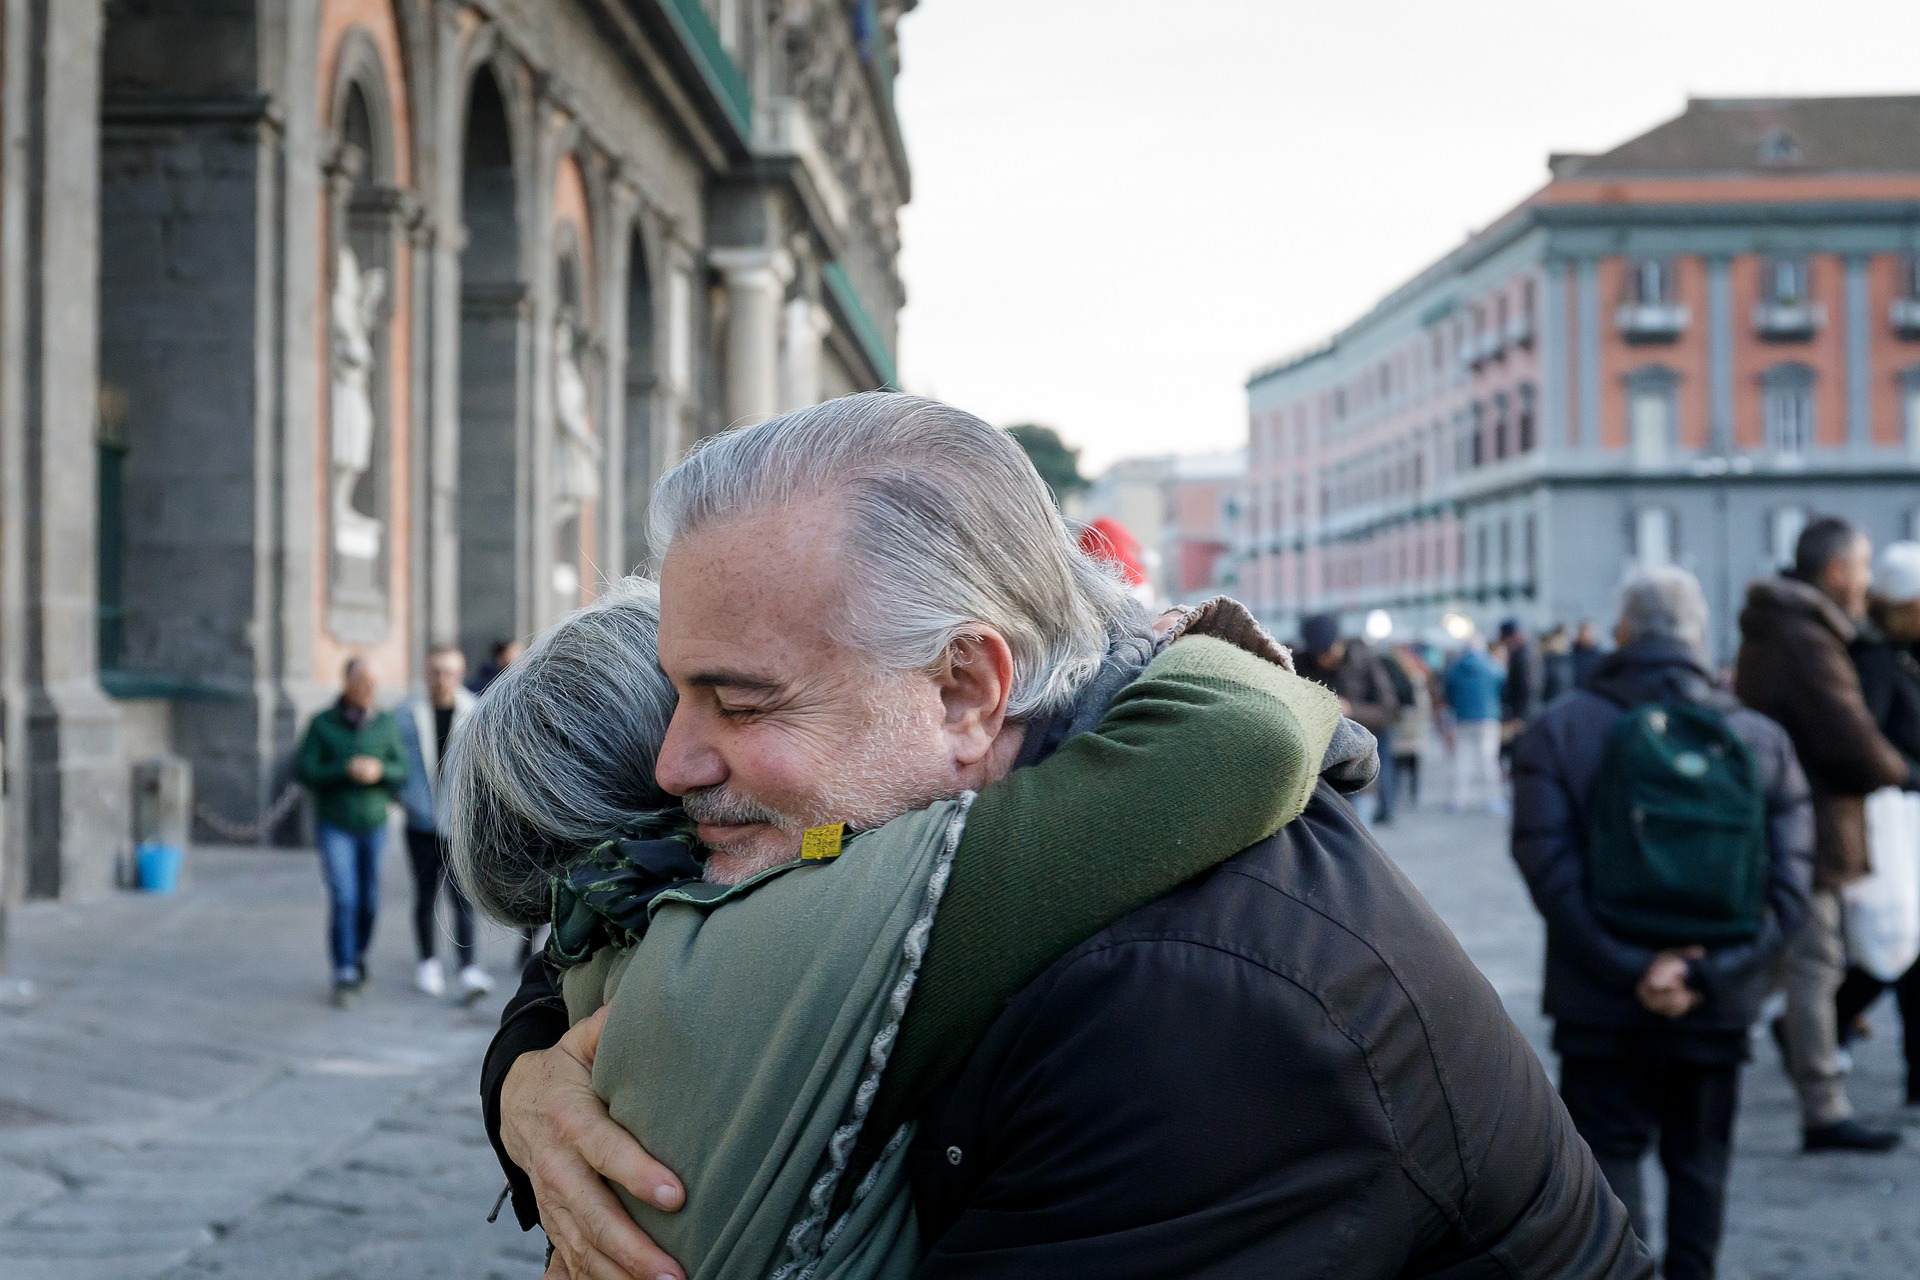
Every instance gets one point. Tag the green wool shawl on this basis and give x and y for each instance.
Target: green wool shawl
(747, 1049)
(749, 1054)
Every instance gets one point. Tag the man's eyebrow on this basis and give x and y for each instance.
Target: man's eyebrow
(724, 679)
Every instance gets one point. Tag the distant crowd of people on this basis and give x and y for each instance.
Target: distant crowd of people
(1689, 835)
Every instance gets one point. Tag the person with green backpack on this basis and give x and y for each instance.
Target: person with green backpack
(1666, 835)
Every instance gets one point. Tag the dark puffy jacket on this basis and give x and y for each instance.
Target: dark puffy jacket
(1287, 1067)
(1526, 677)
(1794, 668)
(1890, 686)
(1591, 974)
(1362, 678)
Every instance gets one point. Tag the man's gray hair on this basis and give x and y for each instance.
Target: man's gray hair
(948, 527)
(1664, 602)
(559, 753)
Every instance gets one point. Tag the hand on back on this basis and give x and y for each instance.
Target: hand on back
(1663, 987)
(557, 1129)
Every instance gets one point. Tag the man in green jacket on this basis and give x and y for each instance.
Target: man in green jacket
(352, 762)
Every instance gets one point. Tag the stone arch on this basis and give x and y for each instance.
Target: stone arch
(365, 276)
(186, 350)
(491, 490)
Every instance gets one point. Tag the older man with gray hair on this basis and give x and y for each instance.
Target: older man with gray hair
(1286, 1065)
(1652, 996)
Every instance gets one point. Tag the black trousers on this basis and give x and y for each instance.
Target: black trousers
(1857, 994)
(1622, 1105)
(427, 850)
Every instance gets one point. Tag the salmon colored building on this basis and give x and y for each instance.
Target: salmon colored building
(1677, 351)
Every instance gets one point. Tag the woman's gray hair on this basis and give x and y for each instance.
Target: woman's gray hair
(948, 527)
(559, 753)
(1664, 602)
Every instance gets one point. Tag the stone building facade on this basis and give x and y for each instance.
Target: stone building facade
(335, 327)
(1677, 351)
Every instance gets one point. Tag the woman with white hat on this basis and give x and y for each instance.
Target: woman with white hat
(1887, 655)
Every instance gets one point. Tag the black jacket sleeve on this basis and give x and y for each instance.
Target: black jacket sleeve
(1548, 847)
(534, 1019)
(1725, 970)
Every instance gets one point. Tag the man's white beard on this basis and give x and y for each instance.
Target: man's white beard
(895, 769)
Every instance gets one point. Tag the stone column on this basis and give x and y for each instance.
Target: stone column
(756, 281)
(807, 326)
(76, 785)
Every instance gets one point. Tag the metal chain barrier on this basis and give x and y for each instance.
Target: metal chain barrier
(250, 832)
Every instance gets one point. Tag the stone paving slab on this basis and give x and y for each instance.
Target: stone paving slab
(181, 1075)
(1790, 1216)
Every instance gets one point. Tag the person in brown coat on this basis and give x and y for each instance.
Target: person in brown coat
(1794, 668)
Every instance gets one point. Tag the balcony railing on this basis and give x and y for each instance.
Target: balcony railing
(1905, 314)
(1788, 321)
(1651, 321)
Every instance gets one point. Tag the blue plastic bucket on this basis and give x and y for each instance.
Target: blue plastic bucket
(159, 866)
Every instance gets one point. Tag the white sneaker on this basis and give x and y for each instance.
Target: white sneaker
(430, 978)
(474, 983)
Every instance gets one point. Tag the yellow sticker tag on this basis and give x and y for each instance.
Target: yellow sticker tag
(820, 844)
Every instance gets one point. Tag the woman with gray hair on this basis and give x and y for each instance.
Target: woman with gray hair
(746, 1027)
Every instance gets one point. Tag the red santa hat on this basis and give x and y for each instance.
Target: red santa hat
(1107, 539)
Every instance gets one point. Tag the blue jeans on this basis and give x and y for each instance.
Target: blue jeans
(350, 864)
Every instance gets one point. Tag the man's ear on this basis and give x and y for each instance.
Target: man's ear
(975, 680)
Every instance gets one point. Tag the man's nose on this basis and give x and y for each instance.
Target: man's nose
(687, 761)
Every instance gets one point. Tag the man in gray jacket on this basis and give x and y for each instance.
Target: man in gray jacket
(427, 723)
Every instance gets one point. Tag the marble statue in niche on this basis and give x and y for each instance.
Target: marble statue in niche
(354, 313)
(576, 460)
(576, 457)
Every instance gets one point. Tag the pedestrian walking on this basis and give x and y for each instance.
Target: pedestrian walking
(352, 762)
(1793, 667)
(1660, 937)
(1520, 697)
(1355, 672)
(1414, 728)
(1886, 654)
(1587, 652)
(427, 722)
(499, 658)
(1473, 683)
(1556, 665)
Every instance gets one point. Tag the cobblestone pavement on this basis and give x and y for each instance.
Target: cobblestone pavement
(1790, 1216)
(181, 1102)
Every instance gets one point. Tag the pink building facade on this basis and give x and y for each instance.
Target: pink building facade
(1675, 352)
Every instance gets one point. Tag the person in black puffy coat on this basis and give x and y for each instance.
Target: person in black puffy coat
(1651, 1042)
(1886, 653)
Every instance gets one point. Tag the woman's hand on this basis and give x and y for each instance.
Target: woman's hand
(556, 1128)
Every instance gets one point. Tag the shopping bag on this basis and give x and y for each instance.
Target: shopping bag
(1883, 910)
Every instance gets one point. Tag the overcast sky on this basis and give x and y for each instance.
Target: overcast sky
(1121, 207)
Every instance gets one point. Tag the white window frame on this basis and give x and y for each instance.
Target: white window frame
(1784, 527)
(1654, 545)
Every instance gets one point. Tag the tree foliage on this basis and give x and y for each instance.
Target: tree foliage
(1057, 464)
